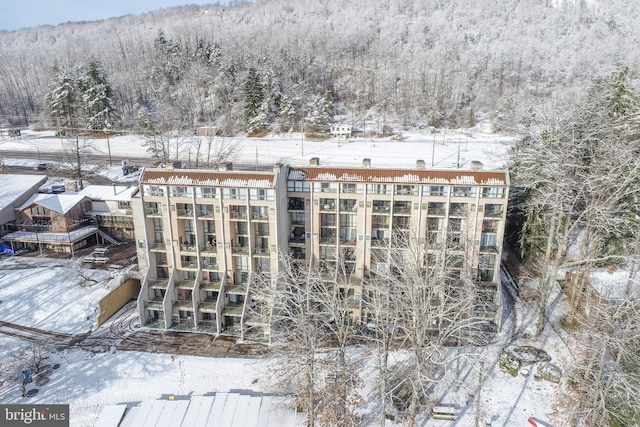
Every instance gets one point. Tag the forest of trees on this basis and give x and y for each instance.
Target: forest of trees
(273, 65)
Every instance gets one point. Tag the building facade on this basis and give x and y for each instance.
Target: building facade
(202, 234)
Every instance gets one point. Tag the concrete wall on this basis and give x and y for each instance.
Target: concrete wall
(121, 295)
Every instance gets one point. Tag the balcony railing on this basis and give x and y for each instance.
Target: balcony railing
(210, 286)
(242, 250)
(153, 212)
(236, 289)
(493, 213)
(158, 283)
(436, 211)
(189, 264)
(328, 240)
(188, 248)
(401, 210)
(382, 209)
(489, 249)
(205, 214)
(208, 248)
(238, 215)
(209, 306)
(260, 216)
(296, 239)
(159, 246)
(184, 305)
(210, 266)
(185, 284)
(261, 251)
(232, 309)
(185, 212)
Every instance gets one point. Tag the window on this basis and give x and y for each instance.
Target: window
(434, 190)
(153, 191)
(208, 193)
(378, 189)
(406, 190)
(124, 205)
(493, 192)
(234, 193)
(325, 187)
(298, 186)
(242, 263)
(348, 188)
(260, 194)
(464, 191)
(181, 191)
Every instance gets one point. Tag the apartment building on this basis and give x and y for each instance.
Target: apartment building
(201, 234)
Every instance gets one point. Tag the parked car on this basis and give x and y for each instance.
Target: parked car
(40, 167)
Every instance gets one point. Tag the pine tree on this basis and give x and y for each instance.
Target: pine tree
(62, 98)
(96, 97)
(254, 108)
(320, 113)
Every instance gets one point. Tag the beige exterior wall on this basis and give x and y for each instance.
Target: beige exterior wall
(201, 234)
(117, 298)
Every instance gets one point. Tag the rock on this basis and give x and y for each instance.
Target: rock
(550, 372)
(527, 355)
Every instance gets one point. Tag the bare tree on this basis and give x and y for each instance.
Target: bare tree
(608, 381)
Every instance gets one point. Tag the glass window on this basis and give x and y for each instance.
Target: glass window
(298, 186)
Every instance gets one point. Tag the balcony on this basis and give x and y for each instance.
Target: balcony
(402, 210)
(184, 305)
(259, 216)
(328, 207)
(240, 250)
(210, 266)
(383, 209)
(261, 251)
(158, 247)
(155, 303)
(184, 213)
(205, 214)
(493, 213)
(348, 242)
(153, 212)
(233, 309)
(489, 249)
(189, 265)
(210, 286)
(236, 215)
(185, 284)
(208, 248)
(436, 211)
(208, 306)
(328, 240)
(188, 248)
(240, 289)
(296, 239)
(158, 283)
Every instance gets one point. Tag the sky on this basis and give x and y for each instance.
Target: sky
(17, 14)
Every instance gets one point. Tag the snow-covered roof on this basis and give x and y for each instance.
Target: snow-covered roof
(199, 411)
(61, 203)
(14, 186)
(118, 193)
(370, 175)
(233, 179)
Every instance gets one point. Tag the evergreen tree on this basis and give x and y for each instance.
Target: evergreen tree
(254, 109)
(320, 113)
(62, 98)
(96, 97)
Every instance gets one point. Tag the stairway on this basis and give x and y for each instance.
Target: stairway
(108, 238)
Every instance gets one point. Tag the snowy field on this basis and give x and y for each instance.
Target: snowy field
(51, 294)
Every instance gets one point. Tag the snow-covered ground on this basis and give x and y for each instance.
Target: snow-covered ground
(438, 149)
(50, 294)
